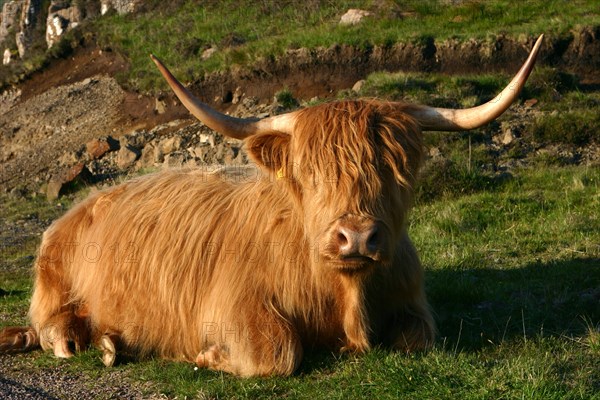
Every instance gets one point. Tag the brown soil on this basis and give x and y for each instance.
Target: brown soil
(136, 110)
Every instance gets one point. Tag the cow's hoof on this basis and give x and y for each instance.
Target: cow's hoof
(61, 349)
(109, 352)
(211, 358)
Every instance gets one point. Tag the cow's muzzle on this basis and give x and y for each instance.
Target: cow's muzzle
(357, 243)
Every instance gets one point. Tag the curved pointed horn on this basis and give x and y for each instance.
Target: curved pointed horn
(238, 128)
(445, 119)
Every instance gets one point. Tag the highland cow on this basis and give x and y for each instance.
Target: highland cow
(243, 275)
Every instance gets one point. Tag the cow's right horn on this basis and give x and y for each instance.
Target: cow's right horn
(446, 119)
(238, 128)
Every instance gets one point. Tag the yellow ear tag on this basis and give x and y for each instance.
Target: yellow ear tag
(280, 173)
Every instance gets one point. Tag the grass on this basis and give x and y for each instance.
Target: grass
(286, 99)
(513, 275)
(434, 89)
(516, 257)
(550, 86)
(574, 126)
(21, 244)
(499, 215)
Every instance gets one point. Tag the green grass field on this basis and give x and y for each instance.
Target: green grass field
(513, 275)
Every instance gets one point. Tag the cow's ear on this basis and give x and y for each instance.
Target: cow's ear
(270, 150)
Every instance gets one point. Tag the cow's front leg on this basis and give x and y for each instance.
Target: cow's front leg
(65, 333)
(411, 329)
(263, 343)
(409, 326)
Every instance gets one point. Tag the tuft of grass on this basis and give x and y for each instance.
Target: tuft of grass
(444, 179)
(286, 99)
(548, 83)
(577, 127)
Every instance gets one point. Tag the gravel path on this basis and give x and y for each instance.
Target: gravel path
(20, 378)
(10, 389)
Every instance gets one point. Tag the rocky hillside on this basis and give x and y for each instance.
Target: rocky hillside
(72, 124)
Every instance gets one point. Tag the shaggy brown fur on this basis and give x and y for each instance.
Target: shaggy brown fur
(240, 274)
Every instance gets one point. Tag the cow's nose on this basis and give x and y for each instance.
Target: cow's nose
(364, 240)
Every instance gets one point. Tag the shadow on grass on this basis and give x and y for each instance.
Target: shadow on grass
(13, 293)
(475, 308)
(479, 307)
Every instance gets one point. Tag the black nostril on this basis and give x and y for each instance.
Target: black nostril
(373, 239)
(341, 238)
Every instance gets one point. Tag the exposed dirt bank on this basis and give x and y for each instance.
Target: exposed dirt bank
(324, 71)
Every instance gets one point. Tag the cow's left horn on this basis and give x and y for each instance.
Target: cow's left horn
(444, 119)
(238, 128)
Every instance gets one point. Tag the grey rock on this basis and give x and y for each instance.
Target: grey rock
(207, 138)
(354, 16)
(120, 6)
(61, 19)
(208, 53)
(11, 12)
(358, 86)
(174, 160)
(171, 144)
(147, 158)
(127, 156)
(78, 172)
(237, 95)
(160, 107)
(435, 152)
